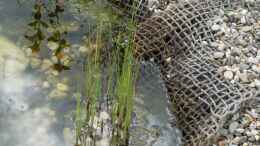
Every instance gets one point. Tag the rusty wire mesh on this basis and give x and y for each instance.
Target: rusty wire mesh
(177, 38)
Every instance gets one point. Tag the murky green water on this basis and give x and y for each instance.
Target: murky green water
(37, 103)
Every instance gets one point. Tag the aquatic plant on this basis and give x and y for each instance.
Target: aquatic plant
(44, 26)
(110, 75)
(122, 107)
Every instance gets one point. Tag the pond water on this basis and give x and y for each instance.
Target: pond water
(37, 103)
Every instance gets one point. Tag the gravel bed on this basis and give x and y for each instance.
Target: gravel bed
(238, 46)
(238, 54)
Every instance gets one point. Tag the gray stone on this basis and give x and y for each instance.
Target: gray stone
(251, 138)
(240, 130)
(235, 51)
(244, 67)
(239, 140)
(218, 55)
(243, 77)
(233, 126)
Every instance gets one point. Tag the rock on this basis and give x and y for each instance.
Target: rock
(251, 60)
(54, 59)
(256, 68)
(253, 113)
(62, 87)
(66, 61)
(257, 137)
(104, 115)
(257, 83)
(240, 130)
(46, 64)
(235, 117)
(243, 77)
(54, 72)
(228, 75)
(46, 84)
(216, 27)
(83, 49)
(52, 45)
(258, 125)
(239, 140)
(244, 66)
(250, 1)
(243, 20)
(28, 52)
(233, 126)
(12, 58)
(218, 55)
(251, 138)
(223, 132)
(246, 28)
(35, 62)
(168, 59)
(57, 94)
(235, 51)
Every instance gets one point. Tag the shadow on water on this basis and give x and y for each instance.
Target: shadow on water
(44, 45)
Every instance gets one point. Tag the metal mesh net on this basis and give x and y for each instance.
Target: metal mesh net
(178, 38)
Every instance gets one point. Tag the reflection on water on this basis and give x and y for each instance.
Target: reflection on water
(37, 90)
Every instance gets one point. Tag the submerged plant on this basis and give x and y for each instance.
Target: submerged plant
(110, 74)
(122, 107)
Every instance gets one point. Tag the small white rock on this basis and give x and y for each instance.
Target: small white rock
(52, 45)
(46, 64)
(218, 55)
(62, 87)
(215, 27)
(46, 84)
(83, 49)
(228, 75)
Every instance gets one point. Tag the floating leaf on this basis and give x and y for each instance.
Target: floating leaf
(33, 24)
(52, 14)
(35, 47)
(60, 55)
(40, 35)
(44, 24)
(59, 67)
(38, 15)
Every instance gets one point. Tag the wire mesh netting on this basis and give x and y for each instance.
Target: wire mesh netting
(176, 35)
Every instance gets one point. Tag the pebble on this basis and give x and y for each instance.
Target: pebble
(57, 94)
(243, 77)
(233, 126)
(52, 45)
(257, 83)
(104, 115)
(62, 87)
(46, 64)
(219, 55)
(239, 140)
(83, 49)
(228, 75)
(46, 84)
(35, 62)
(256, 68)
(246, 28)
(216, 27)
